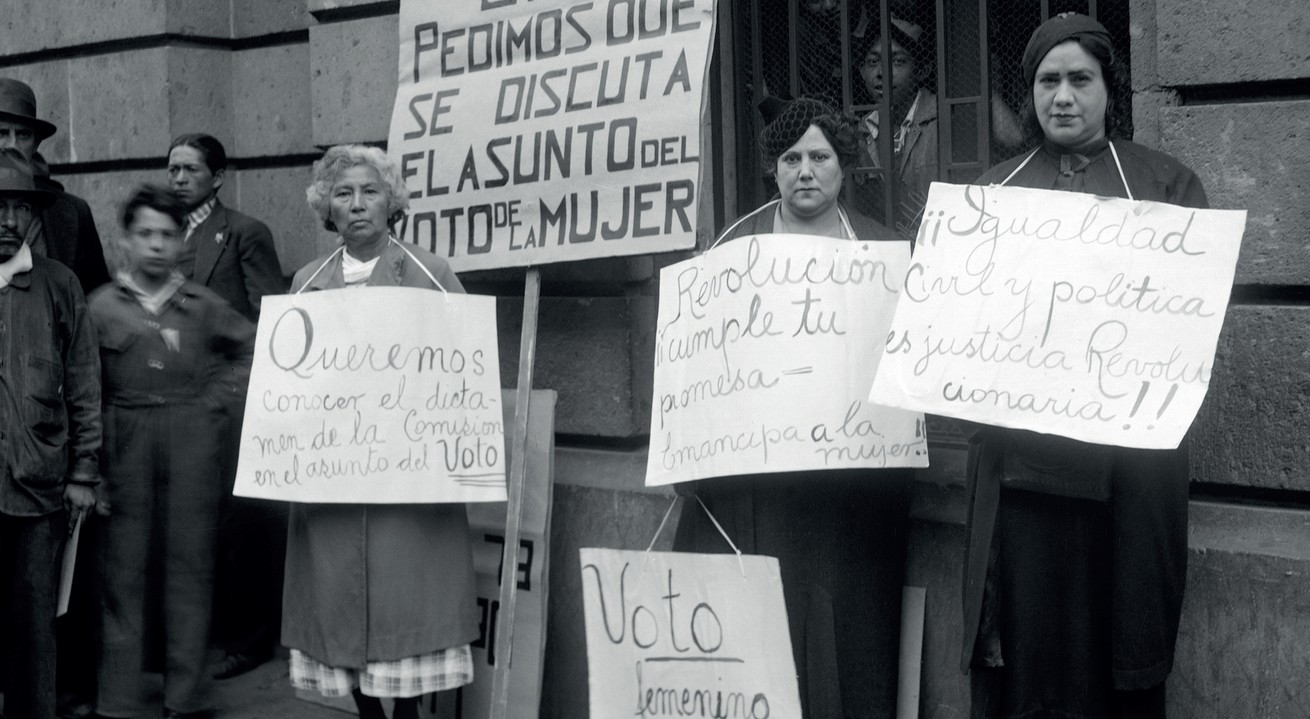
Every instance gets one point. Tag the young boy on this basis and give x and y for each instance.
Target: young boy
(174, 357)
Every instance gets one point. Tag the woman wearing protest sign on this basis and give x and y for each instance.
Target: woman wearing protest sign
(1077, 553)
(378, 600)
(839, 535)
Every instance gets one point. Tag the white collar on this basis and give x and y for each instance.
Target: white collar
(18, 264)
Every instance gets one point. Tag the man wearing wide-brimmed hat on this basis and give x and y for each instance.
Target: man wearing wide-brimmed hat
(49, 437)
(65, 230)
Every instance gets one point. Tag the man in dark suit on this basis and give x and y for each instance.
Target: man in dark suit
(233, 255)
(225, 250)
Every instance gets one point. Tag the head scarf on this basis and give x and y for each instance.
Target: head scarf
(1061, 28)
(785, 128)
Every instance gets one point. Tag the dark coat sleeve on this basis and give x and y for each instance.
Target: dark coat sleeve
(261, 271)
(90, 265)
(81, 388)
(232, 338)
(1187, 191)
(72, 239)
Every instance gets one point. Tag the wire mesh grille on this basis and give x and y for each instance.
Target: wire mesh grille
(968, 62)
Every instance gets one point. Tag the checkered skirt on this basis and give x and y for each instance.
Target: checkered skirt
(408, 677)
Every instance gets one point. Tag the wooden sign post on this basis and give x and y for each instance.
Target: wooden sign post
(519, 154)
(514, 514)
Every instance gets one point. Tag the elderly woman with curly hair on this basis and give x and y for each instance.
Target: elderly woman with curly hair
(839, 535)
(378, 599)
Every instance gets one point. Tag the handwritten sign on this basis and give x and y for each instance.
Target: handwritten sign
(1088, 317)
(687, 635)
(765, 348)
(551, 130)
(487, 527)
(374, 395)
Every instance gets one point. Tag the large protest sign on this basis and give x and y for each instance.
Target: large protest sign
(487, 528)
(550, 130)
(765, 348)
(687, 635)
(374, 395)
(1089, 317)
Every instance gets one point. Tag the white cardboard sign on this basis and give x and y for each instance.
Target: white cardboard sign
(692, 635)
(765, 348)
(1089, 317)
(550, 130)
(374, 395)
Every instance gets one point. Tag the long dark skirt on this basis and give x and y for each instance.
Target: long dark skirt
(840, 539)
(1049, 610)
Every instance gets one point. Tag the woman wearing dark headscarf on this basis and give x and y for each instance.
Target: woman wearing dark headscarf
(839, 535)
(1077, 552)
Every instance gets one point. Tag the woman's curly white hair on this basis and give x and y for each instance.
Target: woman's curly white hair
(342, 157)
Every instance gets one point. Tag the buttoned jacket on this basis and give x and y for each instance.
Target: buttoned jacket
(49, 390)
(236, 259)
(196, 350)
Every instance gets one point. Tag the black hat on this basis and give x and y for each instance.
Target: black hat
(16, 180)
(18, 104)
(1059, 29)
(787, 122)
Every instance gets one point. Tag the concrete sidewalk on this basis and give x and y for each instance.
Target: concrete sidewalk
(266, 693)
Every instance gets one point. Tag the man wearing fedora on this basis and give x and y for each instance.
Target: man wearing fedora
(49, 437)
(64, 231)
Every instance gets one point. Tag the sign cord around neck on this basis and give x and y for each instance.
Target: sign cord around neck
(1113, 152)
(392, 238)
(401, 245)
(724, 534)
(1020, 167)
(1118, 165)
(740, 220)
(329, 259)
(847, 229)
(663, 522)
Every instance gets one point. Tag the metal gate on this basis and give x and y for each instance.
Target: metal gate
(967, 55)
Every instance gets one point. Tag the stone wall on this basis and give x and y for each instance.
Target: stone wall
(1228, 75)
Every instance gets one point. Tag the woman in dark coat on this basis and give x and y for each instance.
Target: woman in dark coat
(378, 599)
(839, 535)
(1077, 552)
